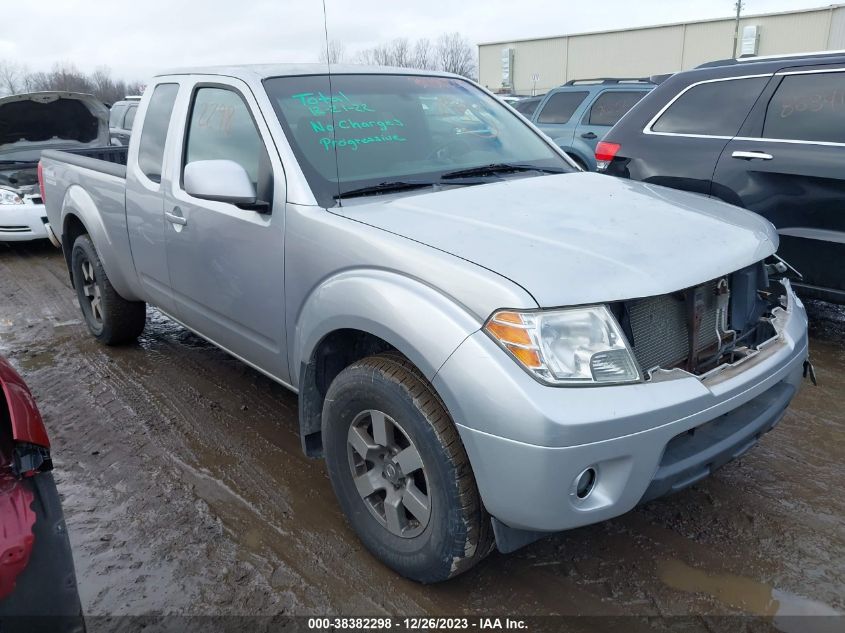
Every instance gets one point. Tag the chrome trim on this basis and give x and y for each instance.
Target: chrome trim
(758, 139)
(746, 155)
(815, 71)
(754, 139)
(647, 129)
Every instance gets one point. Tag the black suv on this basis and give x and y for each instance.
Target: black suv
(767, 134)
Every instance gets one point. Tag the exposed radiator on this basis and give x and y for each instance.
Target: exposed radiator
(660, 330)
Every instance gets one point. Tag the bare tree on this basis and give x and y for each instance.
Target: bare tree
(16, 78)
(423, 55)
(11, 78)
(33, 82)
(397, 52)
(333, 53)
(65, 76)
(454, 54)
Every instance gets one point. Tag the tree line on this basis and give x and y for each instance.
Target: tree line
(451, 53)
(17, 78)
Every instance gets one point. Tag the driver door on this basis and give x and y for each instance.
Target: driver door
(226, 261)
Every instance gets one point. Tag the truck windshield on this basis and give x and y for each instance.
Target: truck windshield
(364, 133)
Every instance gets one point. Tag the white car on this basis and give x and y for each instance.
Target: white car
(30, 123)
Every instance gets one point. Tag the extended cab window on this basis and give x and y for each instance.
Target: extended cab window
(612, 105)
(221, 128)
(716, 108)
(154, 133)
(808, 108)
(561, 106)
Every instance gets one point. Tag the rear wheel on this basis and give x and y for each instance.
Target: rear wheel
(109, 317)
(400, 471)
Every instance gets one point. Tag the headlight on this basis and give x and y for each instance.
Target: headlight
(9, 197)
(573, 346)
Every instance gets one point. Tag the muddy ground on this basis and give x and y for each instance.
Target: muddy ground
(185, 491)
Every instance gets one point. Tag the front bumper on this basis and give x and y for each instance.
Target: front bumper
(528, 443)
(23, 222)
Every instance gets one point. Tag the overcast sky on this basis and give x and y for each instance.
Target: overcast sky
(137, 38)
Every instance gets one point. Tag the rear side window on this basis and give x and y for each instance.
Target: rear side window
(154, 133)
(527, 107)
(612, 105)
(561, 106)
(130, 117)
(808, 108)
(221, 128)
(716, 108)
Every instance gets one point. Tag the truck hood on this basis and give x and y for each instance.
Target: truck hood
(579, 238)
(32, 122)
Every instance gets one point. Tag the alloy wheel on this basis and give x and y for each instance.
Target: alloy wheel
(388, 473)
(91, 290)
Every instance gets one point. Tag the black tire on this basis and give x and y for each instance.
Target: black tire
(458, 533)
(110, 318)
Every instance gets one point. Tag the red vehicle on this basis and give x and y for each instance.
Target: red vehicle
(37, 579)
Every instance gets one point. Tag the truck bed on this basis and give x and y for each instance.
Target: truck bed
(108, 160)
(90, 186)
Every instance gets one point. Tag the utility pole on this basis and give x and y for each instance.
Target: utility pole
(736, 26)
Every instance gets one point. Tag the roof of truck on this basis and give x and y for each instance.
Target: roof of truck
(261, 71)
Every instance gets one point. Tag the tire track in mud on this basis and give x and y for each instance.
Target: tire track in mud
(186, 491)
(179, 406)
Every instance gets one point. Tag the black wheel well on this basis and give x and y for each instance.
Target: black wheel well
(578, 160)
(333, 354)
(72, 229)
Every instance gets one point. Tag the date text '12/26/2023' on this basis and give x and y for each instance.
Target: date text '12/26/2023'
(321, 105)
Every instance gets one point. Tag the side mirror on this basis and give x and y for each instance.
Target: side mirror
(221, 180)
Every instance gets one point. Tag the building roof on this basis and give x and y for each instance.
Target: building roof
(829, 7)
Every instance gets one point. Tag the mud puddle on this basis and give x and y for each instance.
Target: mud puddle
(185, 491)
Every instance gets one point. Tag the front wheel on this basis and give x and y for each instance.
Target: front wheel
(109, 317)
(400, 471)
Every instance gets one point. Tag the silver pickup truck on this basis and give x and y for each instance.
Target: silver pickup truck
(488, 344)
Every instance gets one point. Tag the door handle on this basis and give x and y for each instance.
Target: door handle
(589, 135)
(176, 217)
(752, 155)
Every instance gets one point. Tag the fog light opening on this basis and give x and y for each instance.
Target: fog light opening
(585, 482)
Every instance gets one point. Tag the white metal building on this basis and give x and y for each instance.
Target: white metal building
(521, 66)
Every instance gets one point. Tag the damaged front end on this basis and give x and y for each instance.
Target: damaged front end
(711, 328)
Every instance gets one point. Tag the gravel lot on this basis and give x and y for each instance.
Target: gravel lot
(185, 491)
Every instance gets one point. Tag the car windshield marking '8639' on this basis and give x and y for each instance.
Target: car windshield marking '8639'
(358, 131)
(485, 348)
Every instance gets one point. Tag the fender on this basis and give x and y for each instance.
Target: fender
(111, 242)
(415, 318)
(24, 417)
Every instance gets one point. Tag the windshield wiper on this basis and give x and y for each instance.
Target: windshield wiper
(386, 187)
(498, 168)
